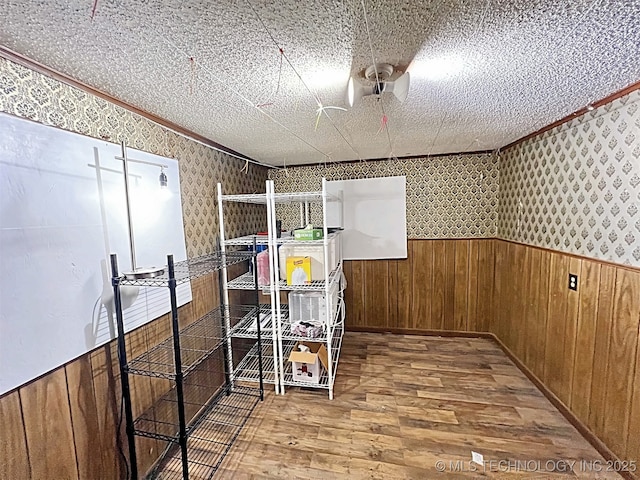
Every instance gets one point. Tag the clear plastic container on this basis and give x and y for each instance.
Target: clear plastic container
(309, 307)
(315, 252)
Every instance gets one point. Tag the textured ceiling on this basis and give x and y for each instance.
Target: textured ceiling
(483, 73)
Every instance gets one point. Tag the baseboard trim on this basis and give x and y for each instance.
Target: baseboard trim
(587, 434)
(418, 331)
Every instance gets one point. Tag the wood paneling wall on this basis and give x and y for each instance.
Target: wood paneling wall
(583, 345)
(64, 425)
(441, 285)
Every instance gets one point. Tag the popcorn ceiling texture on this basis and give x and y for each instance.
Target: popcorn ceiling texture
(26, 93)
(483, 74)
(447, 197)
(576, 188)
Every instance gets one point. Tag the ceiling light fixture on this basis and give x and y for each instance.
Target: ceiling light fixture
(380, 74)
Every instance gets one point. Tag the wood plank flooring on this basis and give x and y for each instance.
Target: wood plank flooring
(404, 403)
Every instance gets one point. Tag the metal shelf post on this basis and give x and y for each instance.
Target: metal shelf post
(124, 374)
(175, 327)
(172, 417)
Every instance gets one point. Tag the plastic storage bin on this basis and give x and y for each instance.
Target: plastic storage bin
(307, 307)
(315, 252)
(310, 307)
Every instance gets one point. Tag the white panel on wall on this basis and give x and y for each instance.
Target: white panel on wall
(62, 212)
(374, 213)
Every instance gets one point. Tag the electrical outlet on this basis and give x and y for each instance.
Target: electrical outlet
(573, 282)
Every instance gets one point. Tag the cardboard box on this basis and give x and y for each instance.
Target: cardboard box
(308, 366)
(298, 270)
(308, 234)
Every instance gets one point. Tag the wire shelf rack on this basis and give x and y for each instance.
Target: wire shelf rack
(277, 330)
(287, 333)
(191, 269)
(246, 282)
(325, 381)
(246, 327)
(248, 240)
(317, 285)
(161, 421)
(248, 369)
(285, 197)
(197, 341)
(210, 437)
(243, 282)
(263, 240)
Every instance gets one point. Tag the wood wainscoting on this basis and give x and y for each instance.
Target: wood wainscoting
(441, 285)
(64, 425)
(582, 345)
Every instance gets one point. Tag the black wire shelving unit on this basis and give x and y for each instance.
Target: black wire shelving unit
(204, 406)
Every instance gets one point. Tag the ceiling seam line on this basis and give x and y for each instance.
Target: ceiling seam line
(252, 104)
(475, 33)
(457, 80)
(313, 94)
(373, 58)
(235, 92)
(437, 134)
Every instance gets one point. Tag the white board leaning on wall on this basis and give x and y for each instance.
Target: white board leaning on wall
(62, 212)
(375, 217)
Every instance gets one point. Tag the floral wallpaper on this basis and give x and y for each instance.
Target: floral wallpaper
(576, 188)
(452, 196)
(29, 94)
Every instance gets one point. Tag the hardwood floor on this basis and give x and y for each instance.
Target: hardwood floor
(404, 403)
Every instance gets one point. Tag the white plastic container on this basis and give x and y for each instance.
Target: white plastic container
(310, 307)
(307, 307)
(315, 252)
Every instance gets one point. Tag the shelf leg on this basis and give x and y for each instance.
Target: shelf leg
(177, 355)
(124, 371)
(274, 277)
(257, 302)
(224, 294)
(223, 310)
